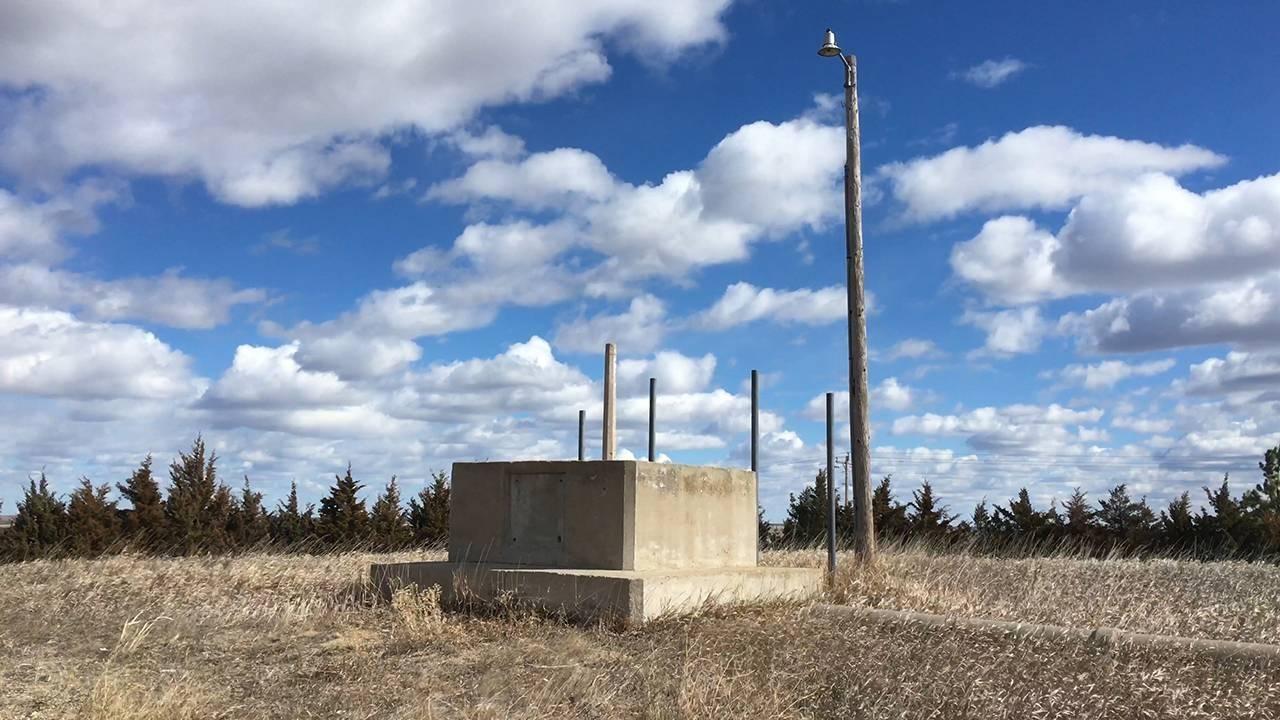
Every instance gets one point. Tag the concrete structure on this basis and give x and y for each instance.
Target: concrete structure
(622, 538)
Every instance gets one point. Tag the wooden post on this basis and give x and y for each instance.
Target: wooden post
(864, 537)
(848, 499)
(582, 435)
(609, 441)
(653, 410)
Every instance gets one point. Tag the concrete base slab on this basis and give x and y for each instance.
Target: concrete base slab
(627, 595)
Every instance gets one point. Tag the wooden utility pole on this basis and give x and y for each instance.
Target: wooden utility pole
(844, 461)
(864, 534)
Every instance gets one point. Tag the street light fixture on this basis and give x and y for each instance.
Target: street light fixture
(864, 537)
(829, 47)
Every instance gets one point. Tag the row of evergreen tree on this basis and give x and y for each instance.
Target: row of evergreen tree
(1246, 526)
(197, 513)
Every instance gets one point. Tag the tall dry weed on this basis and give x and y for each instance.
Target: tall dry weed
(119, 698)
(418, 613)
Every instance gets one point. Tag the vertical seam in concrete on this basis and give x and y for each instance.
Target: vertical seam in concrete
(561, 528)
(636, 601)
(629, 497)
(507, 528)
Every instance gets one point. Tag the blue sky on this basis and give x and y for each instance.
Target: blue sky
(398, 235)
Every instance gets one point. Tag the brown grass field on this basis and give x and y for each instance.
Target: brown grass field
(301, 637)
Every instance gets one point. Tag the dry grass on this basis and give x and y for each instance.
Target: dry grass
(279, 636)
(1220, 600)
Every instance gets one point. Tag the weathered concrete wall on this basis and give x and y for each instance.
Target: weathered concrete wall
(694, 517)
(629, 595)
(585, 593)
(550, 514)
(617, 515)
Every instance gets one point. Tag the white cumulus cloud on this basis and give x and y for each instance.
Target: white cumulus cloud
(1010, 260)
(990, 73)
(168, 299)
(675, 373)
(1149, 234)
(914, 348)
(1009, 332)
(265, 377)
(51, 353)
(744, 303)
(1012, 428)
(1106, 374)
(1041, 167)
(639, 329)
(1241, 375)
(1245, 313)
(542, 180)
(270, 102)
(890, 393)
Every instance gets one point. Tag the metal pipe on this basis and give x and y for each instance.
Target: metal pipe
(755, 447)
(582, 435)
(755, 427)
(831, 487)
(653, 411)
(608, 440)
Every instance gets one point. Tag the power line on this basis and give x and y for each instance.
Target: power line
(1048, 461)
(1057, 455)
(979, 465)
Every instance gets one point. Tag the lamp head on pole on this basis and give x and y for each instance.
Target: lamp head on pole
(829, 47)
